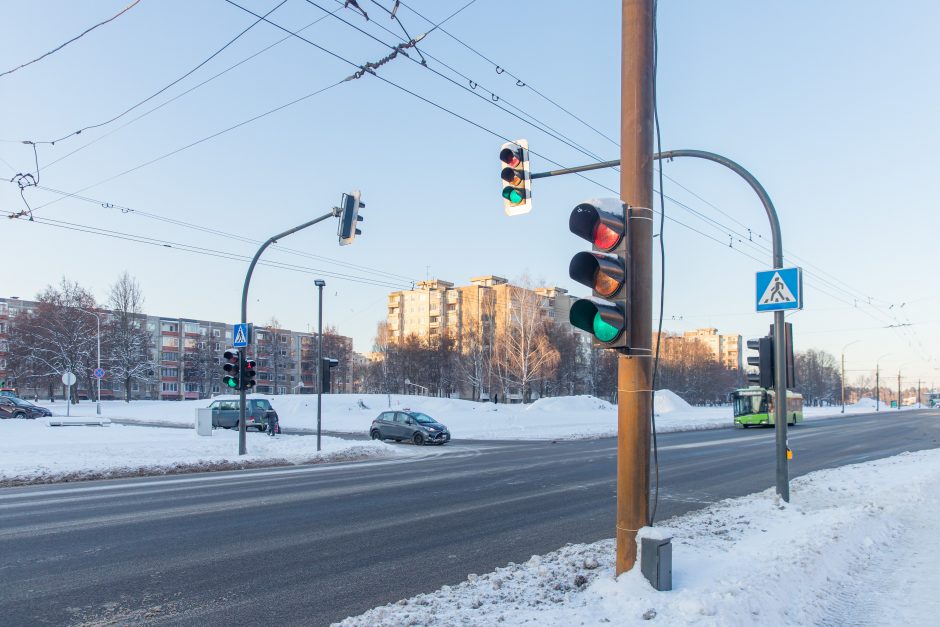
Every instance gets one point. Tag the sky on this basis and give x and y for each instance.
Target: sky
(830, 105)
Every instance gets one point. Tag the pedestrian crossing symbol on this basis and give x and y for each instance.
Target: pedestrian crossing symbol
(242, 334)
(780, 289)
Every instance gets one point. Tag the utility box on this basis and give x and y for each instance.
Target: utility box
(656, 562)
(203, 421)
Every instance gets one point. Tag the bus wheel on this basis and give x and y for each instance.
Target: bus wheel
(744, 425)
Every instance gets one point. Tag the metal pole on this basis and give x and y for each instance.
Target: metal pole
(320, 285)
(899, 389)
(877, 389)
(98, 321)
(242, 449)
(635, 370)
(843, 383)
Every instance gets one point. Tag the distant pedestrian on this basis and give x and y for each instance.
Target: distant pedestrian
(35, 397)
(495, 399)
(273, 425)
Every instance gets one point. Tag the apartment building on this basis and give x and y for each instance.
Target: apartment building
(437, 307)
(185, 354)
(726, 349)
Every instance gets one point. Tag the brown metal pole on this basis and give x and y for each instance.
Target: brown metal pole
(635, 370)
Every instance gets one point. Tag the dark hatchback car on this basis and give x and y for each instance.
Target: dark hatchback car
(408, 425)
(13, 407)
(225, 413)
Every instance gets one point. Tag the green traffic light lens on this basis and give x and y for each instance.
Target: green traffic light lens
(230, 383)
(513, 195)
(605, 332)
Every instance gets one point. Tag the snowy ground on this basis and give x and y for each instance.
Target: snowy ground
(30, 451)
(549, 418)
(857, 545)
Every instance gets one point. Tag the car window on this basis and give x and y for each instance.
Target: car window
(214, 405)
(387, 416)
(422, 418)
(5, 401)
(261, 404)
(228, 405)
(401, 417)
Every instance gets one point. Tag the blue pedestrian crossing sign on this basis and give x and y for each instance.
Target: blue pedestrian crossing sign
(241, 334)
(780, 289)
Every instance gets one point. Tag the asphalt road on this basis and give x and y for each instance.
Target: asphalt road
(310, 545)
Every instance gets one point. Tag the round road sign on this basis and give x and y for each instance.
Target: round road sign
(99, 373)
(68, 378)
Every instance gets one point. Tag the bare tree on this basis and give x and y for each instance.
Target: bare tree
(338, 347)
(522, 350)
(128, 341)
(273, 354)
(57, 338)
(201, 366)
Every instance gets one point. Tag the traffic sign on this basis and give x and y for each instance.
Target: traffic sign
(99, 373)
(68, 378)
(242, 334)
(780, 289)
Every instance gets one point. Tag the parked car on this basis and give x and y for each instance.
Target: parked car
(13, 407)
(408, 425)
(225, 413)
(7, 391)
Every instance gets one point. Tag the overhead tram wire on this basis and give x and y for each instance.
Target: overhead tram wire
(163, 89)
(184, 93)
(231, 236)
(521, 82)
(222, 254)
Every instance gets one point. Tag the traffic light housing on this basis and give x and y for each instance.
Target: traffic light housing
(349, 218)
(605, 270)
(788, 353)
(231, 364)
(517, 184)
(326, 364)
(248, 375)
(764, 361)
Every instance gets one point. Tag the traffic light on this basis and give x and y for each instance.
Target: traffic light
(604, 223)
(349, 218)
(327, 363)
(231, 366)
(517, 186)
(764, 361)
(788, 353)
(248, 375)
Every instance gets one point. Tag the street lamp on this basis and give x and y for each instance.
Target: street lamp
(843, 371)
(899, 382)
(319, 283)
(98, 333)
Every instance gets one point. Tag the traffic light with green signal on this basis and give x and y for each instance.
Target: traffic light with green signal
(231, 365)
(517, 184)
(604, 223)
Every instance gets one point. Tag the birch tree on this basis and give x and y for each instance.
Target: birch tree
(128, 341)
(522, 351)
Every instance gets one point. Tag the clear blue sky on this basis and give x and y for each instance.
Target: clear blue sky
(833, 106)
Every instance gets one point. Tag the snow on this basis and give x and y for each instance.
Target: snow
(32, 451)
(548, 418)
(856, 545)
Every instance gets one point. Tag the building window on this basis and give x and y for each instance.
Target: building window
(216, 333)
(171, 342)
(215, 388)
(169, 356)
(192, 387)
(189, 342)
(169, 372)
(135, 387)
(191, 327)
(171, 387)
(169, 327)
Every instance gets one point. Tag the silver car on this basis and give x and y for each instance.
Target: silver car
(225, 413)
(408, 425)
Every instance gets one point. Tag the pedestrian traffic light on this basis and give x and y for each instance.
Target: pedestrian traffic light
(349, 217)
(326, 364)
(764, 361)
(604, 223)
(517, 184)
(248, 375)
(230, 361)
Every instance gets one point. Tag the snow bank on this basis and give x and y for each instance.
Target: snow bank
(668, 402)
(33, 452)
(827, 558)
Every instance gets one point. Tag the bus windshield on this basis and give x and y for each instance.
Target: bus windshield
(749, 404)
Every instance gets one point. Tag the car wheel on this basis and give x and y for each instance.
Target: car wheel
(398, 439)
(418, 439)
(19, 415)
(376, 434)
(262, 428)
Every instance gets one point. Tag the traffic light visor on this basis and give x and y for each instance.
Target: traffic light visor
(514, 195)
(512, 176)
(603, 273)
(603, 320)
(602, 227)
(511, 156)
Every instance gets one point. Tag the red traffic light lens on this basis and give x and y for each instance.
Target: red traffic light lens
(605, 237)
(511, 156)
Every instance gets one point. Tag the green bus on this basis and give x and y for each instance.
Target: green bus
(755, 406)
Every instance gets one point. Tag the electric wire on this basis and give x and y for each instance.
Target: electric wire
(77, 37)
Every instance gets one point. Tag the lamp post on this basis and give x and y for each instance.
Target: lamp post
(843, 371)
(878, 382)
(319, 283)
(899, 382)
(98, 333)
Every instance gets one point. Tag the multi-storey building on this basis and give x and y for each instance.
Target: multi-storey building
(186, 358)
(726, 349)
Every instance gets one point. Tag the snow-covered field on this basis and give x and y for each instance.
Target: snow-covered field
(30, 451)
(856, 545)
(560, 417)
